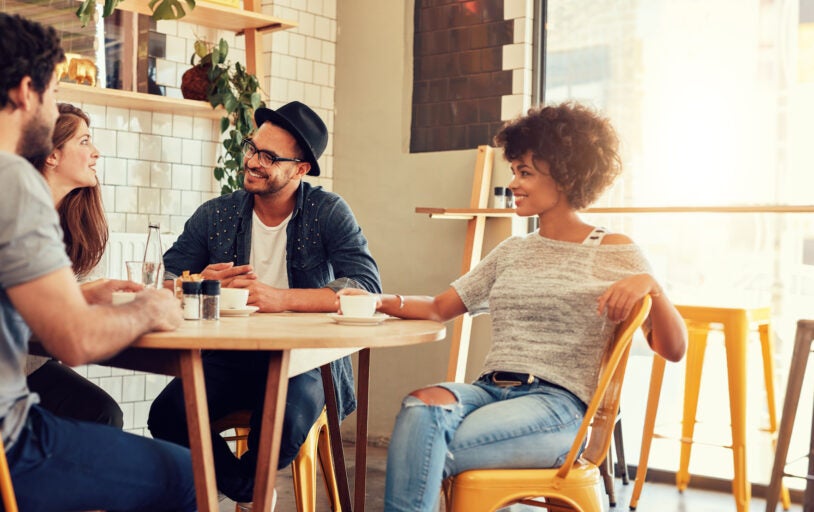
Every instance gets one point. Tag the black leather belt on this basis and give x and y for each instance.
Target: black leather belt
(509, 379)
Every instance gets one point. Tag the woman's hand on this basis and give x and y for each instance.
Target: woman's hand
(619, 299)
(101, 290)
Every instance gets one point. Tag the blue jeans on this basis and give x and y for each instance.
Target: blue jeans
(528, 426)
(235, 381)
(62, 464)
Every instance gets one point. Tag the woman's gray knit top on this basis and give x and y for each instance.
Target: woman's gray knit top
(542, 296)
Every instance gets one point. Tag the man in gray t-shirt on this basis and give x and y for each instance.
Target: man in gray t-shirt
(59, 464)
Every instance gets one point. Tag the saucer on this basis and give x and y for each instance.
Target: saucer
(358, 320)
(244, 311)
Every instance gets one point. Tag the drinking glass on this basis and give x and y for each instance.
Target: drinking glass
(148, 274)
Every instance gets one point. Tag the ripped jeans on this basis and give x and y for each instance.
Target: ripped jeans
(527, 426)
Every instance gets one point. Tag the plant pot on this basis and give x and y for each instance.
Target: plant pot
(195, 83)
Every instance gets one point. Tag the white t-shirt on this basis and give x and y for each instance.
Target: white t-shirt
(268, 252)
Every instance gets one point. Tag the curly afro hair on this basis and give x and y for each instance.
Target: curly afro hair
(580, 146)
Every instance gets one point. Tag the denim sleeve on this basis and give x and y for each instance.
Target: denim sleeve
(190, 251)
(347, 247)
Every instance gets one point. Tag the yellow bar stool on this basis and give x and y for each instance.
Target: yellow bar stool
(797, 369)
(735, 323)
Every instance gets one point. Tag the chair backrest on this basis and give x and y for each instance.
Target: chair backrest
(600, 416)
(9, 500)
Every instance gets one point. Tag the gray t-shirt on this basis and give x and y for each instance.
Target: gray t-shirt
(30, 247)
(542, 296)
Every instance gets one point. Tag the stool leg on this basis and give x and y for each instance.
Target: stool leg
(735, 339)
(797, 370)
(767, 346)
(621, 463)
(808, 499)
(696, 350)
(656, 379)
(606, 470)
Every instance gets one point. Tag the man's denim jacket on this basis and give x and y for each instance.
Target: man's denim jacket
(325, 248)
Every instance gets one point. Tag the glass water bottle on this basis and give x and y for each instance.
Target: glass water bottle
(153, 258)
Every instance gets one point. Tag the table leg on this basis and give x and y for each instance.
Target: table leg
(340, 469)
(200, 436)
(361, 430)
(271, 430)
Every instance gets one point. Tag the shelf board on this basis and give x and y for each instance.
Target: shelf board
(471, 213)
(219, 17)
(76, 93)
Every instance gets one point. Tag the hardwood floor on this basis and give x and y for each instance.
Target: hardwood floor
(656, 497)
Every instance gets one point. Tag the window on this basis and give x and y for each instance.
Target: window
(713, 104)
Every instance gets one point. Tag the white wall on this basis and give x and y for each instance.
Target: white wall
(384, 183)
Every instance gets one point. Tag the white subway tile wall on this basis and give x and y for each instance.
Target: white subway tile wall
(158, 167)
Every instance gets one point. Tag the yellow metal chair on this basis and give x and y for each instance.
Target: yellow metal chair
(9, 500)
(317, 446)
(577, 484)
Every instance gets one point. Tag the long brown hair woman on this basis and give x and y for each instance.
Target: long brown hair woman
(70, 170)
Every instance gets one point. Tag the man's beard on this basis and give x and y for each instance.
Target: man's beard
(35, 142)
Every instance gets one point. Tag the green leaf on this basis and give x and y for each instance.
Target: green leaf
(218, 173)
(230, 103)
(224, 124)
(85, 11)
(110, 6)
(223, 48)
(256, 100)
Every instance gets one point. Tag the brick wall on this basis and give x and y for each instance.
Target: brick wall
(458, 73)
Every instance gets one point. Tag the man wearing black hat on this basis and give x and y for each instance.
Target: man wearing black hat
(292, 245)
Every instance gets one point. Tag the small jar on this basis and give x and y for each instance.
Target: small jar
(509, 198)
(498, 200)
(191, 299)
(210, 299)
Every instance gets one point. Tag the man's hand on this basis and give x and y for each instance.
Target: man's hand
(227, 272)
(268, 299)
(162, 306)
(101, 290)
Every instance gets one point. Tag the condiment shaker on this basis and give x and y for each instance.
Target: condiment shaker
(210, 299)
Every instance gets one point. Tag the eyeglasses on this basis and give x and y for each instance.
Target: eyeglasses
(265, 158)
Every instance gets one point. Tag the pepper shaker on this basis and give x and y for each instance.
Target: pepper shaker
(210, 299)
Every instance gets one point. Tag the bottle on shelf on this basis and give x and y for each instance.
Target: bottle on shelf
(509, 198)
(498, 200)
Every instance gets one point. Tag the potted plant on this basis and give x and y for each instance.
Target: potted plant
(238, 92)
(162, 9)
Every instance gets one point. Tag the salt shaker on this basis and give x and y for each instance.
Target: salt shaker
(210, 299)
(192, 300)
(509, 198)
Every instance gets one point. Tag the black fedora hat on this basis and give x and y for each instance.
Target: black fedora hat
(301, 122)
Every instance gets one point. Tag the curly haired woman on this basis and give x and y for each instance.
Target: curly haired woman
(555, 297)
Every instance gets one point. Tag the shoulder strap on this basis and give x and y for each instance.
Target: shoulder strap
(595, 237)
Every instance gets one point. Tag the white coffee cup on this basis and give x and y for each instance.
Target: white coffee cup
(358, 305)
(123, 297)
(233, 298)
